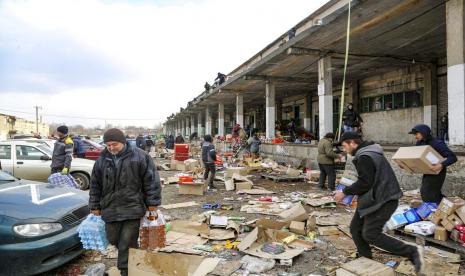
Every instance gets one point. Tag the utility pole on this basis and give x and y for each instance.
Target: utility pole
(37, 118)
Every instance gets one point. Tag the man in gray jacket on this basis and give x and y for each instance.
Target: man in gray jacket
(378, 194)
(62, 151)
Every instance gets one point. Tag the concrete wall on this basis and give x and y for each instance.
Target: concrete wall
(391, 126)
(21, 126)
(306, 154)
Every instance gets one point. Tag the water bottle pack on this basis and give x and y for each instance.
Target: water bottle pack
(61, 180)
(92, 233)
(152, 231)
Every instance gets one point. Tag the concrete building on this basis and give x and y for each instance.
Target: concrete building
(12, 125)
(406, 66)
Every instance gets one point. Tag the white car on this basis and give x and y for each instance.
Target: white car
(30, 160)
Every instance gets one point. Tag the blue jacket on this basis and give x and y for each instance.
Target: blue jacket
(437, 144)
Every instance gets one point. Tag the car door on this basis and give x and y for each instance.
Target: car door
(6, 160)
(29, 165)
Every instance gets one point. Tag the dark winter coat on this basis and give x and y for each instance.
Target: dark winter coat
(351, 118)
(208, 153)
(376, 183)
(122, 186)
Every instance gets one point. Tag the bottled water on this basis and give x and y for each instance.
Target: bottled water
(92, 233)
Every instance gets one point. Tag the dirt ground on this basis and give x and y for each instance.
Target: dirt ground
(322, 260)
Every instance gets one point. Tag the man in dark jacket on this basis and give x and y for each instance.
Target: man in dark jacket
(208, 159)
(140, 142)
(179, 139)
(431, 184)
(444, 127)
(62, 152)
(124, 185)
(378, 197)
(325, 158)
(352, 119)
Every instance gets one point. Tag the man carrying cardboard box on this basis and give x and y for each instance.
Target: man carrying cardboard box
(431, 184)
(378, 194)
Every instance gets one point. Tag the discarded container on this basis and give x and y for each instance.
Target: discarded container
(424, 228)
(426, 209)
(412, 216)
(152, 232)
(181, 152)
(186, 179)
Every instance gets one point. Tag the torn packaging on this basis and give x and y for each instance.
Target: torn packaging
(365, 267)
(296, 213)
(145, 263)
(254, 241)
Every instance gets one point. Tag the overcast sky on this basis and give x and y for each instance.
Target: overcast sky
(140, 60)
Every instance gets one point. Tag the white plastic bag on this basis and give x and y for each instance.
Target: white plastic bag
(92, 233)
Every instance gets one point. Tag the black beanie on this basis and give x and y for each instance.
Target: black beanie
(63, 129)
(115, 135)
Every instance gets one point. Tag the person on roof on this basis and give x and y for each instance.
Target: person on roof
(431, 184)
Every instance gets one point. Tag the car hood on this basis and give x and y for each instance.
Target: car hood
(82, 163)
(26, 199)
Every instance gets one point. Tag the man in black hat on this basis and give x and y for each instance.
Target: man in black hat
(431, 184)
(378, 197)
(124, 185)
(62, 151)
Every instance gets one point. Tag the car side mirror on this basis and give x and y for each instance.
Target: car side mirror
(45, 158)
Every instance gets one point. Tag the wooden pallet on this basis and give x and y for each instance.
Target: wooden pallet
(448, 245)
(283, 178)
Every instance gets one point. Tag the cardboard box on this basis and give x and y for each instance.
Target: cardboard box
(447, 224)
(328, 230)
(191, 188)
(436, 217)
(417, 159)
(461, 213)
(191, 164)
(448, 205)
(243, 185)
(236, 170)
(455, 236)
(297, 227)
(415, 203)
(366, 267)
(440, 234)
(238, 182)
(455, 220)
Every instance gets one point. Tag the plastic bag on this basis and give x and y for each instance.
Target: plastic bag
(60, 180)
(152, 232)
(92, 233)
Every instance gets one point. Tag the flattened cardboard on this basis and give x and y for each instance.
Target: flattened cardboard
(147, 263)
(220, 235)
(207, 266)
(366, 267)
(417, 159)
(317, 202)
(191, 188)
(255, 192)
(218, 221)
(189, 227)
(183, 240)
(179, 205)
(271, 224)
(253, 242)
(328, 230)
(235, 170)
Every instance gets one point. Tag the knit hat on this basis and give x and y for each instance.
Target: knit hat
(63, 129)
(114, 135)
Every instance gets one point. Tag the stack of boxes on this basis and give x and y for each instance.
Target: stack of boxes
(449, 218)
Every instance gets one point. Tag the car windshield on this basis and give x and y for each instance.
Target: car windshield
(95, 145)
(5, 177)
(45, 148)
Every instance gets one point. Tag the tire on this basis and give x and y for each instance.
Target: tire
(82, 179)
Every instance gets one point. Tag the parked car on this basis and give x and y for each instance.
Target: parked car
(93, 150)
(38, 225)
(32, 161)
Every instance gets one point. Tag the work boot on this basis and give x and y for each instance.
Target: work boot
(123, 272)
(418, 261)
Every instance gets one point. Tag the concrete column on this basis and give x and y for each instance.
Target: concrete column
(178, 128)
(254, 118)
(308, 113)
(240, 110)
(456, 70)
(183, 127)
(188, 127)
(199, 124)
(270, 109)
(221, 119)
(208, 121)
(325, 96)
(430, 107)
(193, 124)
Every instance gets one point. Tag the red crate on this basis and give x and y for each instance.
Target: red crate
(181, 152)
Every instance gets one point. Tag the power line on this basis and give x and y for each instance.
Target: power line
(87, 118)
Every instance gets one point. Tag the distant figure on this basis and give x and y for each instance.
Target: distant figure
(254, 144)
(444, 127)
(149, 143)
(169, 142)
(208, 159)
(140, 142)
(207, 86)
(292, 129)
(79, 149)
(291, 33)
(325, 158)
(235, 131)
(179, 139)
(62, 152)
(220, 78)
(193, 136)
(351, 118)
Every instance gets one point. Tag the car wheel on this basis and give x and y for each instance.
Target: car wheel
(82, 180)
